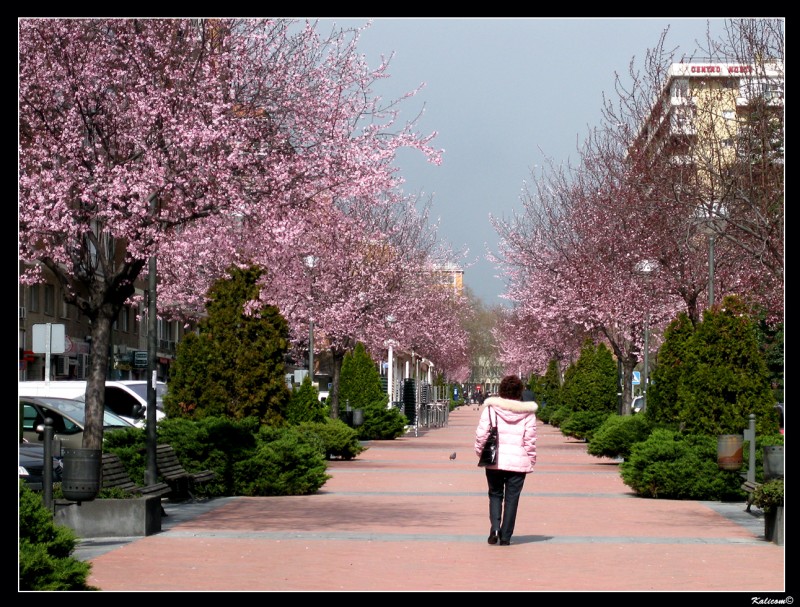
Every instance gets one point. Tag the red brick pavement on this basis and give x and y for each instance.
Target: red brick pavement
(404, 517)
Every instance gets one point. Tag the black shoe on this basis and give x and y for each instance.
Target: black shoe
(505, 542)
(493, 537)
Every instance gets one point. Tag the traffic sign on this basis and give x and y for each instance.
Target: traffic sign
(48, 338)
(636, 378)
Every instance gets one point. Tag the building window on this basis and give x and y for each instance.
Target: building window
(123, 318)
(33, 298)
(49, 300)
(64, 309)
(680, 87)
(728, 114)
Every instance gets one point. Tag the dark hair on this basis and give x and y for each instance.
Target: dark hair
(511, 387)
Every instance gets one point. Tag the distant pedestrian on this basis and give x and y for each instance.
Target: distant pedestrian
(516, 454)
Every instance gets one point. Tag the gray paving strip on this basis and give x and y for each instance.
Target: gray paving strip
(448, 538)
(90, 548)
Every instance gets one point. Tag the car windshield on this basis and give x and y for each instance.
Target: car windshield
(75, 410)
(141, 390)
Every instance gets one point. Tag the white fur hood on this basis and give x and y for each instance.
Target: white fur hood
(514, 406)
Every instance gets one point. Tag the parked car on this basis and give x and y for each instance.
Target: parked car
(31, 465)
(126, 398)
(638, 404)
(68, 421)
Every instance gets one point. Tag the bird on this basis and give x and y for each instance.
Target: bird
(453, 455)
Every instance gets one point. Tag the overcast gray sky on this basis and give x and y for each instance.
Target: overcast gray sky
(504, 95)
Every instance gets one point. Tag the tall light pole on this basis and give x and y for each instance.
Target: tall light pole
(712, 220)
(390, 362)
(151, 473)
(311, 263)
(645, 268)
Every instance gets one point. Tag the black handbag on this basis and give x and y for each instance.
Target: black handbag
(489, 454)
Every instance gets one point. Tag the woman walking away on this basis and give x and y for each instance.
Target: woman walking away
(516, 454)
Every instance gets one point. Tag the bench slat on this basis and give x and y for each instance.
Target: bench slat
(175, 474)
(115, 475)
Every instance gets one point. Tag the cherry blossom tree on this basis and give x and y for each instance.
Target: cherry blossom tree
(574, 256)
(177, 138)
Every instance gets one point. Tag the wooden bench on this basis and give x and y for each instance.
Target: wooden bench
(115, 475)
(749, 486)
(179, 479)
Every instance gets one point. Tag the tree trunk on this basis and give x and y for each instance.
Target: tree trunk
(96, 382)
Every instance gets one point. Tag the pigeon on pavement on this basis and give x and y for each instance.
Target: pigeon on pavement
(453, 455)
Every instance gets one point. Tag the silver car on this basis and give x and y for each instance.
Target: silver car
(68, 421)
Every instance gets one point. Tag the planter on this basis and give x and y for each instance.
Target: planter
(773, 525)
(110, 517)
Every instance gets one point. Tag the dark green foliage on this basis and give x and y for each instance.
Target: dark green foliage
(557, 415)
(546, 390)
(662, 395)
(234, 449)
(214, 443)
(769, 495)
(360, 382)
(235, 365)
(590, 389)
(304, 404)
(45, 549)
(381, 423)
(336, 438)
(360, 388)
(131, 447)
(770, 340)
(617, 434)
(725, 377)
(673, 465)
(286, 461)
(582, 424)
(590, 384)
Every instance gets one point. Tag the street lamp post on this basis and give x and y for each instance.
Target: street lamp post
(390, 362)
(645, 268)
(712, 220)
(311, 263)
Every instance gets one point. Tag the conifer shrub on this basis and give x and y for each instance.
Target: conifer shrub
(360, 388)
(235, 365)
(286, 461)
(674, 465)
(45, 549)
(305, 406)
(336, 439)
(583, 424)
(617, 434)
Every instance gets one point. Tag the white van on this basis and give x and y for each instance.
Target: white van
(126, 398)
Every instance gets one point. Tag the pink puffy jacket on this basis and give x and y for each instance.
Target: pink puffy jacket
(516, 431)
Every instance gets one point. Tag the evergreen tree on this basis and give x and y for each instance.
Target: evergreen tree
(662, 394)
(725, 377)
(360, 388)
(590, 384)
(550, 388)
(235, 365)
(304, 404)
(589, 394)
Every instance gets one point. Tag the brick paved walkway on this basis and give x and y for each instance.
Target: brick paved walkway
(404, 517)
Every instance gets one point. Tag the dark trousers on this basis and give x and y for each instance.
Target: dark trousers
(504, 490)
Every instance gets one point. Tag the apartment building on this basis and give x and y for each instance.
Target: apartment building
(43, 304)
(705, 106)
